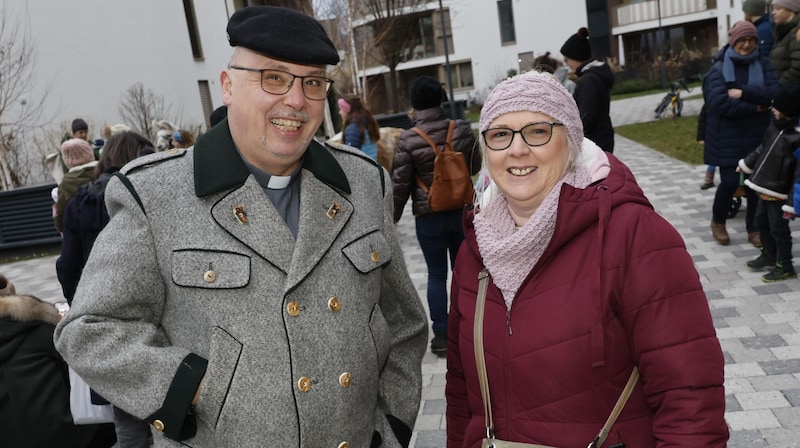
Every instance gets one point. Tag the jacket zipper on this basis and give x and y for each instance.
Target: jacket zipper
(508, 321)
(774, 142)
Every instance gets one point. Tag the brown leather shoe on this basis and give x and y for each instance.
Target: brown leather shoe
(720, 233)
(754, 238)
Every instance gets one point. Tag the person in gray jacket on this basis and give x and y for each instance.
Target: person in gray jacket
(252, 291)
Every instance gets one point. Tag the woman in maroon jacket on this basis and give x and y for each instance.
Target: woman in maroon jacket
(586, 282)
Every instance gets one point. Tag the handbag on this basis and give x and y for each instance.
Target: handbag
(80, 403)
(480, 361)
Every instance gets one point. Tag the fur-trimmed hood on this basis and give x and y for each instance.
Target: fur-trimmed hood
(20, 316)
(23, 308)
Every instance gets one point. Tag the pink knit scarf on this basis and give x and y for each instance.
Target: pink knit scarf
(509, 252)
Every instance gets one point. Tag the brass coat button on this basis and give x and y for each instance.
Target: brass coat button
(293, 308)
(345, 379)
(158, 425)
(334, 304)
(210, 276)
(343, 445)
(304, 384)
(376, 257)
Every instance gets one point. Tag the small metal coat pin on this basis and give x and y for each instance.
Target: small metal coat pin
(240, 214)
(333, 210)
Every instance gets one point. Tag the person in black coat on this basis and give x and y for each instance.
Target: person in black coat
(593, 90)
(34, 381)
(84, 218)
(86, 215)
(738, 91)
(772, 172)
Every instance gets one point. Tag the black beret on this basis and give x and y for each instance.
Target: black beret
(282, 33)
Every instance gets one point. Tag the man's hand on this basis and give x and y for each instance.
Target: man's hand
(197, 394)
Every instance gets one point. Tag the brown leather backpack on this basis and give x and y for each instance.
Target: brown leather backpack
(451, 188)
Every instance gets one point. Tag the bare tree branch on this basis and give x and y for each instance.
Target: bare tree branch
(20, 105)
(140, 107)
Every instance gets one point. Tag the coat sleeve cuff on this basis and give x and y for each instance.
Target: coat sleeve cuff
(746, 169)
(175, 418)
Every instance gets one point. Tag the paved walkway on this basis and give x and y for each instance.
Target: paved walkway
(758, 324)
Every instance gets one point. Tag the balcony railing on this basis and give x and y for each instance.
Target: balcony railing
(648, 10)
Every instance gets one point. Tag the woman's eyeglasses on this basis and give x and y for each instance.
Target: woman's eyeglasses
(534, 134)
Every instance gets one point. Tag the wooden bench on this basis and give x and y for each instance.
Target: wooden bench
(26, 218)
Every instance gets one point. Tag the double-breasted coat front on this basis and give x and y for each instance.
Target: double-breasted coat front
(309, 342)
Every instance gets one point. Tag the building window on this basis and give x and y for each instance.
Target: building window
(461, 73)
(525, 61)
(194, 34)
(505, 13)
(205, 100)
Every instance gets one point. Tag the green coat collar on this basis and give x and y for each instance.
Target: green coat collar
(219, 167)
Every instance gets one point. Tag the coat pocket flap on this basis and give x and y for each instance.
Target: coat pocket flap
(210, 269)
(368, 252)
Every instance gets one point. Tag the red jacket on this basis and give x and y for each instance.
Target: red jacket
(614, 288)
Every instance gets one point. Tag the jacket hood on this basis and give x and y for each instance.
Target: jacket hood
(599, 69)
(19, 315)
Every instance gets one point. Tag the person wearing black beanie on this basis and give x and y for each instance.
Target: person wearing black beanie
(439, 233)
(593, 90)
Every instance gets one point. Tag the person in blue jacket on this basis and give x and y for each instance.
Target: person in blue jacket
(755, 12)
(361, 130)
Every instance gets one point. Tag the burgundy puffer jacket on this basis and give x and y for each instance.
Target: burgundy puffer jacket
(614, 288)
(414, 157)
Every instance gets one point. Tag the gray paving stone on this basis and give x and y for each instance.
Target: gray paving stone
(768, 341)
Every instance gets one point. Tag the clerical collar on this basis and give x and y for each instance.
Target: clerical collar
(267, 180)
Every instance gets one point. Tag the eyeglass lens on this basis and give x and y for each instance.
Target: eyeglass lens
(279, 82)
(534, 134)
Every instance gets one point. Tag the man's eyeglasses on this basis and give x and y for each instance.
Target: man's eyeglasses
(278, 82)
(534, 134)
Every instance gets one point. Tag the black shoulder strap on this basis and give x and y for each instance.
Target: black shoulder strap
(125, 181)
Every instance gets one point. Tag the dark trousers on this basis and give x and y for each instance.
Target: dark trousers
(439, 234)
(775, 233)
(728, 183)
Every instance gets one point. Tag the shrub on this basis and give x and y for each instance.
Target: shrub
(633, 86)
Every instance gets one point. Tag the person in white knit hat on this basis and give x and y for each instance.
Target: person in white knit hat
(577, 294)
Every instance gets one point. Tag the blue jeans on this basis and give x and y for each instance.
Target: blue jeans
(775, 233)
(728, 183)
(439, 234)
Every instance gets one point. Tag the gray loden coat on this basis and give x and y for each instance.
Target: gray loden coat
(310, 343)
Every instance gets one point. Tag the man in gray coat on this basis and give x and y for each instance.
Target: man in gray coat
(251, 291)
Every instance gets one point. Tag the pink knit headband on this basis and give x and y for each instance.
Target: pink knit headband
(534, 92)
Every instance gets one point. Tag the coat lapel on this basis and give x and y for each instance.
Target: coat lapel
(323, 214)
(249, 216)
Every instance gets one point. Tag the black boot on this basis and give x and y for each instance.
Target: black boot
(439, 345)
